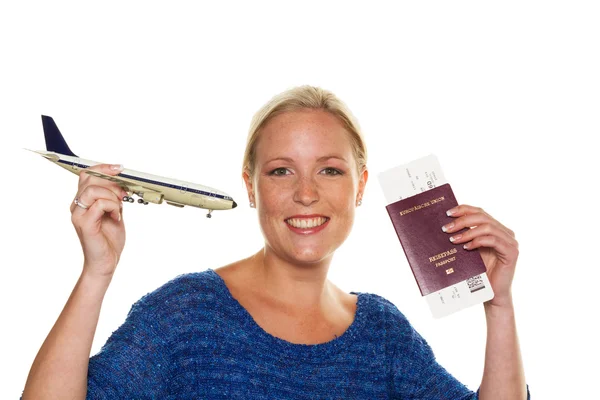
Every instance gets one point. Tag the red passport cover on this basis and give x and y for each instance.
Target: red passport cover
(435, 261)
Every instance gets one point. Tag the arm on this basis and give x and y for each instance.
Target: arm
(61, 365)
(416, 374)
(134, 362)
(503, 376)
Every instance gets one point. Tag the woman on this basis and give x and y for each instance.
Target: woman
(271, 325)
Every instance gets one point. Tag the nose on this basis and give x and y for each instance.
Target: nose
(234, 205)
(306, 191)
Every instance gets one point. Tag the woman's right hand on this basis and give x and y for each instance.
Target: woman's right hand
(60, 369)
(100, 227)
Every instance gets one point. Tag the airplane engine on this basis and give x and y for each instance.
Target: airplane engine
(153, 197)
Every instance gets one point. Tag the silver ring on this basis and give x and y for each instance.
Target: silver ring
(80, 204)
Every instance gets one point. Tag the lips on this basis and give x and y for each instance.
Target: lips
(307, 223)
(304, 223)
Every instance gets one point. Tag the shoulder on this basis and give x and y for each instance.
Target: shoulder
(388, 317)
(183, 291)
(384, 308)
(401, 337)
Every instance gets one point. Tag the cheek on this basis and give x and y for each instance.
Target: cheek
(345, 195)
(349, 215)
(342, 200)
(269, 200)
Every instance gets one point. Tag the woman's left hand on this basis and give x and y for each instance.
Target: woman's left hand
(496, 244)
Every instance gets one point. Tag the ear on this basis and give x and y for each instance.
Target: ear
(249, 185)
(362, 182)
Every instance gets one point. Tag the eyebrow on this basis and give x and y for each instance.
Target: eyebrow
(320, 159)
(325, 158)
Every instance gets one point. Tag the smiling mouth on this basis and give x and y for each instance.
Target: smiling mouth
(306, 223)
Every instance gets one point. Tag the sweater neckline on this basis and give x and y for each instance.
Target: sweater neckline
(278, 347)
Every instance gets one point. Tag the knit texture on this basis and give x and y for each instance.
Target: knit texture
(190, 339)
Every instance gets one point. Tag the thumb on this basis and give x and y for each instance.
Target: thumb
(115, 168)
(109, 169)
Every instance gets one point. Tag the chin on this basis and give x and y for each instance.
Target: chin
(301, 254)
(310, 255)
(310, 249)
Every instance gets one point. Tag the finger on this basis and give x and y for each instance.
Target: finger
(484, 230)
(92, 193)
(463, 209)
(88, 221)
(472, 220)
(79, 212)
(112, 169)
(96, 181)
(89, 194)
(467, 210)
(507, 253)
(108, 169)
(86, 179)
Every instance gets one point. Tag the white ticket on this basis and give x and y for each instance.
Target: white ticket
(417, 177)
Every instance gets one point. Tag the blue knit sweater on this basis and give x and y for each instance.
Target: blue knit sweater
(190, 339)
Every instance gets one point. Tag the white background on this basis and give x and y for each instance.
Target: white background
(506, 94)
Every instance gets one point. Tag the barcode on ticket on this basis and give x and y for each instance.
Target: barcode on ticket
(475, 283)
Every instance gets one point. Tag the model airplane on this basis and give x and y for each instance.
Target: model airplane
(150, 188)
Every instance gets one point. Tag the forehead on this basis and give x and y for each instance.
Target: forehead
(309, 133)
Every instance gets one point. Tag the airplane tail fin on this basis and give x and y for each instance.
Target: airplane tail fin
(54, 139)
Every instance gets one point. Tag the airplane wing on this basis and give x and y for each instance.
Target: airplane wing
(47, 155)
(125, 184)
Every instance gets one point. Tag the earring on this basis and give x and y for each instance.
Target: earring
(359, 202)
(251, 204)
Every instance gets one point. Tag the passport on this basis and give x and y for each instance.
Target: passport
(414, 179)
(436, 262)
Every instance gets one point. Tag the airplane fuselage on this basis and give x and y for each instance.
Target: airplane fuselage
(174, 192)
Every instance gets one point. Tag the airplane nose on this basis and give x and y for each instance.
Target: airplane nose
(234, 205)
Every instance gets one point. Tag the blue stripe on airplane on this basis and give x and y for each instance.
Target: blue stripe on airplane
(210, 194)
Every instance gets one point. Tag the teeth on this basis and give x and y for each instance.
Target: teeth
(304, 223)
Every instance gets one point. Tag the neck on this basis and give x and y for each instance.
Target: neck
(300, 286)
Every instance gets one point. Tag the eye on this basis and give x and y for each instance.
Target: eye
(279, 171)
(332, 171)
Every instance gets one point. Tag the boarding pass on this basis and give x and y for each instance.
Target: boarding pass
(417, 177)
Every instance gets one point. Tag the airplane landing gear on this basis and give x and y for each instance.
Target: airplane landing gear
(131, 200)
(208, 215)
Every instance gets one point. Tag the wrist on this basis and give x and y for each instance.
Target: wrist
(96, 283)
(500, 307)
(503, 300)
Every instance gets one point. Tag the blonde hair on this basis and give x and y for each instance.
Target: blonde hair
(305, 97)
